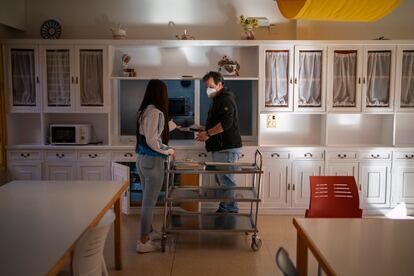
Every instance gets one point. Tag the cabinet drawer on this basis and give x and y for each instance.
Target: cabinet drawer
(93, 155)
(404, 155)
(276, 154)
(342, 155)
(375, 155)
(309, 154)
(60, 155)
(126, 154)
(25, 155)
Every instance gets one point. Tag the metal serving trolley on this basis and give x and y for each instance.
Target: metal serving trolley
(176, 220)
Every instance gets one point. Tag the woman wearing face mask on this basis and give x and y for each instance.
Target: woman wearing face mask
(152, 138)
(222, 134)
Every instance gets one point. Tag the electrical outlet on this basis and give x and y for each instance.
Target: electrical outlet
(271, 121)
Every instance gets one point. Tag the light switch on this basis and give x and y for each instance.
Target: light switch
(271, 121)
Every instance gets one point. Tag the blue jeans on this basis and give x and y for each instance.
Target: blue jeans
(151, 173)
(227, 180)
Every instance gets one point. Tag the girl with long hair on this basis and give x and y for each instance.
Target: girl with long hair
(153, 129)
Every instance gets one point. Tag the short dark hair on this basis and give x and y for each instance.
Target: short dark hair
(216, 76)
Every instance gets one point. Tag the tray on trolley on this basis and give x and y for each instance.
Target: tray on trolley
(205, 194)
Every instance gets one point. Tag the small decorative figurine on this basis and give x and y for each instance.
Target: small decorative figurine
(228, 67)
(127, 72)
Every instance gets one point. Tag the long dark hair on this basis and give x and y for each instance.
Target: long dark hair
(155, 94)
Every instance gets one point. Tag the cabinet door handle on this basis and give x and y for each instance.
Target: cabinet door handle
(275, 154)
(290, 80)
(360, 188)
(308, 154)
(60, 155)
(73, 79)
(359, 80)
(242, 155)
(77, 80)
(128, 154)
(25, 155)
(293, 187)
(37, 80)
(93, 155)
(288, 187)
(409, 156)
(296, 80)
(342, 156)
(363, 80)
(202, 155)
(375, 156)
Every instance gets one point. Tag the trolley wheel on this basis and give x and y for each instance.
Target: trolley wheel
(163, 242)
(256, 243)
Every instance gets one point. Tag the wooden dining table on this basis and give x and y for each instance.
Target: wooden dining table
(369, 246)
(42, 220)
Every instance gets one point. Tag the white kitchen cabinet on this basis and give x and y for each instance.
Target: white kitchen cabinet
(378, 78)
(309, 78)
(342, 169)
(404, 82)
(301, 171)
(23, 78)
(121, 172)
(93, 171)
(276, 187)
(374, 184)
(278, 78)
(60, 171)
(25, 170)
(91, 78)
(58, 71)
(403, 179)
(344, 77)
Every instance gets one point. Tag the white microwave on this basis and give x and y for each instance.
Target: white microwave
(70, 134)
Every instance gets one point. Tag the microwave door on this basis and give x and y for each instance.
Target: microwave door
(63, 135)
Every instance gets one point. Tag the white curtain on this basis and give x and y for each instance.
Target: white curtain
(91, 82)
(407, 81)
(310, 73)
(378, 79)
(344, 81)
(277, 74)
(23, 77)
(58, 77)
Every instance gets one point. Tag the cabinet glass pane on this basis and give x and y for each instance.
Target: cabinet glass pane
(23, 77)
(277, 74)
(378, 79)
(91, 77)
(58, 77)
(407, 79)
(310, 78)
(344, 78)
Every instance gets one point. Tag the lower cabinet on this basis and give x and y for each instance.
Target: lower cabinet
(25, 170)
(301, 170)
(91, 171)
(403, 183)
(342, 169)
(375, 184)
(121, 172)
(60, 171)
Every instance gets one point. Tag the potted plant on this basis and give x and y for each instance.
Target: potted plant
(248, 25)
(228, 67)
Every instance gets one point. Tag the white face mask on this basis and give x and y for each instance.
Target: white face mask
(211, 92)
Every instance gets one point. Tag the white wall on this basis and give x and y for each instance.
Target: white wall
(148, 19)
(12, 13)
(399, 24)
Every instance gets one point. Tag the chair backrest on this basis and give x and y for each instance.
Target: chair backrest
(333, 197)
(284, 263)
(88, 254)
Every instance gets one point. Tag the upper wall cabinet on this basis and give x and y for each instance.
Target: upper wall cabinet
(23, 78)
(404, 88)
(378, 78)
(79, 78)
(344, 78)
(278, 78)
(309, 80)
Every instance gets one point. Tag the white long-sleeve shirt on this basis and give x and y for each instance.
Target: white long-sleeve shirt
(152, 126)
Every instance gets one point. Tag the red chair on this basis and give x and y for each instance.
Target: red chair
(333, 197)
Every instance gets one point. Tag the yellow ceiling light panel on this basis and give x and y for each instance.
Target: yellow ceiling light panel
(337, 10)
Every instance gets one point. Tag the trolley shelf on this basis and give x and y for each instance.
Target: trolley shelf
(212, 194)
(217, 169)
(178, 221)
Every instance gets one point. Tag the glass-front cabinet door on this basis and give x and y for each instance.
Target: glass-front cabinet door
(404, 93)
(23, 80)
(58, 78)
(344, 86)
(309, 81)
(378, 79)
(91, 80)
(278, 76)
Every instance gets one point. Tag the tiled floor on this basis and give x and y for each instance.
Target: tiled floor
(208, 253)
